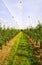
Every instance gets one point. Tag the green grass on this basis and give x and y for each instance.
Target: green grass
(21, 53)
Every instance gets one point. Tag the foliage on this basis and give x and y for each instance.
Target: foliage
(35, 33)
(6, 35)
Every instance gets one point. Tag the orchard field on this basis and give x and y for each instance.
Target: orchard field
(21, 47)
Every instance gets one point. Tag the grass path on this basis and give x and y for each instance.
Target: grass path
(4, 53)
(21, 53)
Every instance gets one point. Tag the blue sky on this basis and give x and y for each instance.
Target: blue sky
(20, 13)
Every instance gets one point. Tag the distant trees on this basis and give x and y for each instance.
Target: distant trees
(6, 35)
(35, 33)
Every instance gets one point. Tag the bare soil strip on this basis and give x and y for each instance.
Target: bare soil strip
(34, 47)
(4, 53)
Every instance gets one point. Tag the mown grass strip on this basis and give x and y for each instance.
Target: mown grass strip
(21, 54)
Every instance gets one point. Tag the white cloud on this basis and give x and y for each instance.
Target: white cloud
(28, 7)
